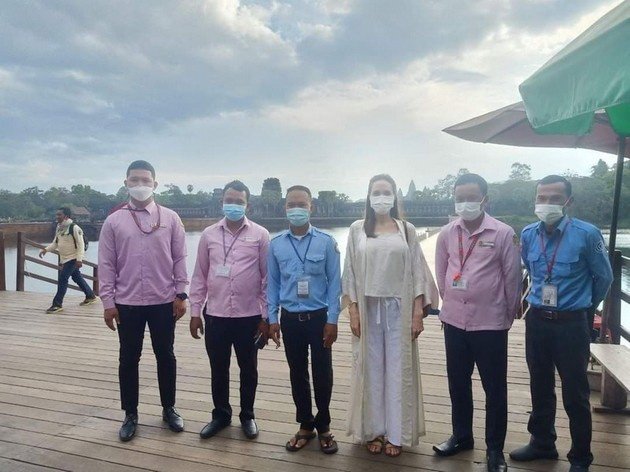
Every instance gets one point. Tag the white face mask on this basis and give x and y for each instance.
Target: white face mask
(381, 204)
(140, 193)
(468, 211)
(549, 214)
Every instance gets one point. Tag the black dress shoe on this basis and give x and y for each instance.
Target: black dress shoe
(578, 468)
(172, 418)
(250, 428)
(451, 447)
(532, 453)
(213, 428)
(496, 461)
(128, 428)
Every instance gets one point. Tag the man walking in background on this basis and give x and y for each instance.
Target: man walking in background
(70, 245)
(142, 280)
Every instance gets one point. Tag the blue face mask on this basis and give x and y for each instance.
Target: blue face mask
(234, 212)
(298, 216)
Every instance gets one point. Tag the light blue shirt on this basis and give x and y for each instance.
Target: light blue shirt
(289, 261)
(581, 272)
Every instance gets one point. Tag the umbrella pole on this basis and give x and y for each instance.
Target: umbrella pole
(612, 241)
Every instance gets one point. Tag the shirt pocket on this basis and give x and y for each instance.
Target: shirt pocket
(314, 264)
(566, 263)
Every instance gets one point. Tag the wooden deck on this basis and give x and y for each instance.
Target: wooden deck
(59, 407)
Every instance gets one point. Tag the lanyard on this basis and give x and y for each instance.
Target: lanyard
(552, 262)
(462, 259)
(303, 261)
(135, 219)
(226, 252)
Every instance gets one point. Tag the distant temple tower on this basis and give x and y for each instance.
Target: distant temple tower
(411, 193)
(400, 196)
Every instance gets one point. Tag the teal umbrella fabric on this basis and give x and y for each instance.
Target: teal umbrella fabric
(591, 73)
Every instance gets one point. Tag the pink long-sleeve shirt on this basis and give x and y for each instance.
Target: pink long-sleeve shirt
(141, 269)
(240, 290)
(492, 273)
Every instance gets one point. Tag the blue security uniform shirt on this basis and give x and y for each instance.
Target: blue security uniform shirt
(321, 266)
(581, 272)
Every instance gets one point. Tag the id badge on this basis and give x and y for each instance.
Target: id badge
(223, 271)
(550, 295)
(303, 289)
(460, 284)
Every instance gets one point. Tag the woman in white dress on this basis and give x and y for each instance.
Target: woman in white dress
(387, 286)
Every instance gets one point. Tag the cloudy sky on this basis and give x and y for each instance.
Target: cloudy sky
(325, 93)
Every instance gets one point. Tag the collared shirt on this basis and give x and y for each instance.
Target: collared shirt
(242, 291)
(141, 269)
(69, 246)
(321, 266)
(492, 275)
(581, 273)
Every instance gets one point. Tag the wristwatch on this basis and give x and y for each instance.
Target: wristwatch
(182, 296)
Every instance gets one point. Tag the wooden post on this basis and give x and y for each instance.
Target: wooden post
(95, 281)
(614, 314)
(19, 278)
(3, 277)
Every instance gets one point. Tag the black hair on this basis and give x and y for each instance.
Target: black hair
(370, 215)
(238, 186)
(300, 188)
(65, 210)
(554, 179)
(141, 165)
(472, 179)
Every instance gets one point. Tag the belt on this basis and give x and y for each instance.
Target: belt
(305, 315)
(558, 315)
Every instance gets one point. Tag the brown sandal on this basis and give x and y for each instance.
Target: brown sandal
(378, 443)
(394, 451)
(299, 437)
(327, 444)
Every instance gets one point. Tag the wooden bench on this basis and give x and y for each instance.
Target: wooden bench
(615, 362)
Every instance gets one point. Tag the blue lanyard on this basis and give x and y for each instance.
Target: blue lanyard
(303, 261)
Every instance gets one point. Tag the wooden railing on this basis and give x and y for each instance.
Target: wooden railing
(612, 308)
(3, 275)
(22, 273)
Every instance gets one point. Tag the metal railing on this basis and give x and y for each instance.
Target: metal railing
(22, 273)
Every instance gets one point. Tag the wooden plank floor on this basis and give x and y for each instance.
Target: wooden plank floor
(59, 407)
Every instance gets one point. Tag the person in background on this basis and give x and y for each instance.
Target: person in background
(142, 280)
(478, 270)
(387, 285)
(570, 271)
(70, 245)
(304, 284)
(230, 279)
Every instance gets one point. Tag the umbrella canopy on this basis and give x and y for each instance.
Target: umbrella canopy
(509, 125)
(591, 73)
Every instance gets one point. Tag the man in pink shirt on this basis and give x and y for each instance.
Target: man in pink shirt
(230, 279)
(478, 271)
(142, 280)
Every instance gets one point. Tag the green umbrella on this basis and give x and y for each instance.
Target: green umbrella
(592, 73)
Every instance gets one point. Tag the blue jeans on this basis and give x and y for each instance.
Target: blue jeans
(70, 269)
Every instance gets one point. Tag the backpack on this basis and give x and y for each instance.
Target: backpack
(86, 242)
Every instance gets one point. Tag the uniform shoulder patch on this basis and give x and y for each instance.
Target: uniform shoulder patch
(600, 246)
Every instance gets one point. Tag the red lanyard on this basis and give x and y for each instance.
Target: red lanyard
(462, 259)
(135, 219)
(552, 262)
(226, 251)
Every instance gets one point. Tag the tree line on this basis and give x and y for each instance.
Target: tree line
(512, 199)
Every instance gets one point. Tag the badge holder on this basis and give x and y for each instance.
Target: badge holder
(303, 286)
(549, 294)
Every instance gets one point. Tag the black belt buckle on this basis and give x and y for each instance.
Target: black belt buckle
(549, 315)
(304, 316)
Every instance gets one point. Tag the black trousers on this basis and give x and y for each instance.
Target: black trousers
(133, 320)
(299, 333)
(220, 335)
(487, 349)
(562, 345)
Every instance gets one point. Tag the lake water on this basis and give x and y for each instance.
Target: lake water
(192, 240)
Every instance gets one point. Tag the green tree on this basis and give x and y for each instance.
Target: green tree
(520, 171)
(600, 170)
